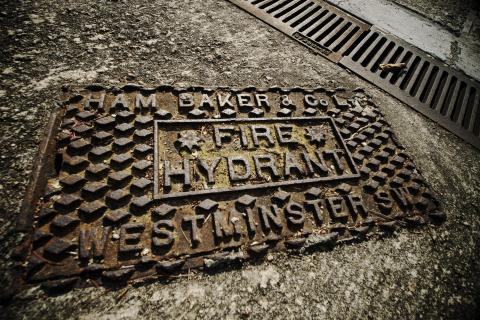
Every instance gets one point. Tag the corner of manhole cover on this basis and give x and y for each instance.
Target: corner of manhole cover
(135, 183)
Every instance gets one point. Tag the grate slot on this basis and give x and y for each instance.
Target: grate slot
(399, 74)
(305, 17)
(428, 85)
(409, 81)
(369, 55)
(411, 67)
(469, 110)
(460, 107)
(303, 14)
(474, 118)
(294, 5)
(364, 45)
(267, 3)
(352, 48)
(443, 92)
(276, 6)
(346, 41)
(327, 30)
(391, 58)
(311, 19)
(321, 25)
(415, 85)
(435, 85)
(439, 89)
(452, 97)
(337, 33)
(299, 13)
(309, 28)
(385, 50)
(456, 104)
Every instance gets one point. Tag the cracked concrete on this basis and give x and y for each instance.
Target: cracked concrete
(426, 273)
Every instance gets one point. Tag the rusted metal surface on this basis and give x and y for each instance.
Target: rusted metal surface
(43, 162)
(154, 181)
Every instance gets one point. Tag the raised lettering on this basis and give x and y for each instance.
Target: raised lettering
(225, 227)
(262, 101)
(384, 202)
(163, 233)
(315, 166)
(206, 102)
(270, 217)
(334, 154)
(119, 103)
(287, 102)
(263, 132)
(285, 133)
(89, 244)
(145, 103)
(355, 203)
(95, 103)
(169, 173)
(294, 214)
(185, 102)
(335, 207)
(234, 175)
(193, 221)
(292, 165)
(223, 133)
(265, 162)
(245, 100)
(243, 137)
(250, 216)
(209, 169)
(402, 197)
(310, 101)
(225, 101)
(315, 206)
(130, 237)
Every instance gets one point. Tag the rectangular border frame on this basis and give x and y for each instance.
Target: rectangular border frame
(355, 174)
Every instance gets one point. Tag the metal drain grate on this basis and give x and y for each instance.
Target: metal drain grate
(427, 85)
(318, 25)
(446, 96)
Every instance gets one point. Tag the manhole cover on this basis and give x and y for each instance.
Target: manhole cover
(144, 182)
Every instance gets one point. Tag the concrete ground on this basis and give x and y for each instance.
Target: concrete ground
(425, 26)
(451, 14)
(426, 273)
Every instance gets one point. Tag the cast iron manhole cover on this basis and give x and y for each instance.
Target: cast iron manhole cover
(138, 182)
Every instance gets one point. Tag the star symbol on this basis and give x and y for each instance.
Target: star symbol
(317, 138)
(188, 140)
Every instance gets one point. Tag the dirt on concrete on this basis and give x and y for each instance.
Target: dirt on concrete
(451, 14)
(426, 273)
